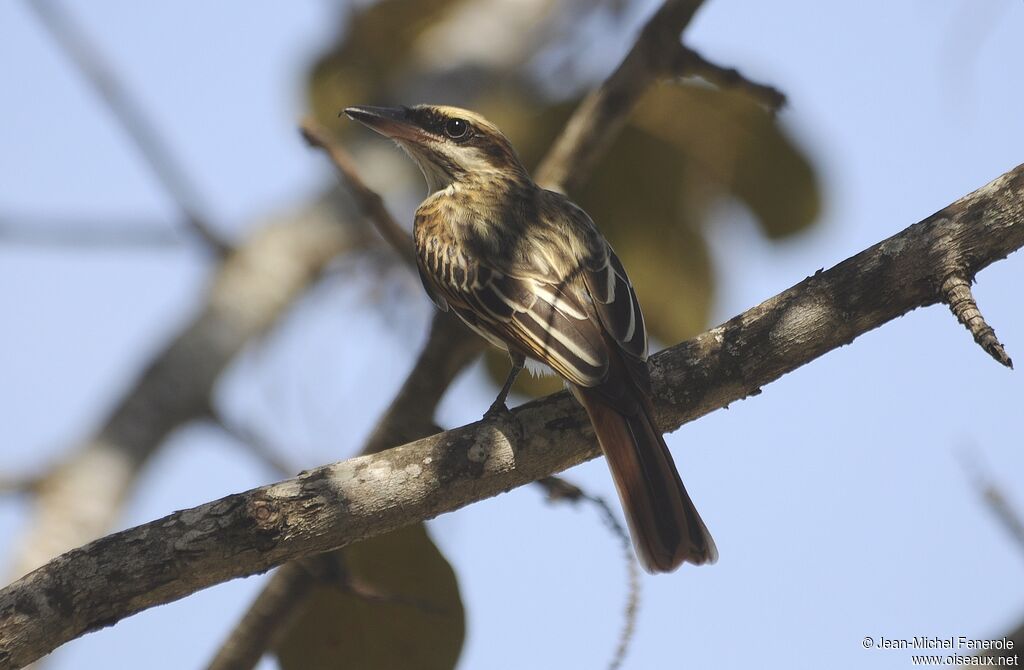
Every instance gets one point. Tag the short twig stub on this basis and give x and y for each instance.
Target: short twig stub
(956, 292)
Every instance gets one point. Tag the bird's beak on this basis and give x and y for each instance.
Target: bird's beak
(391, 122)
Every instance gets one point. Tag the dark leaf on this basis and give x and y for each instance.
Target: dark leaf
(395, 604)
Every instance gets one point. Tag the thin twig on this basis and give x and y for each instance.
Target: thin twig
(996, 501)
(602, 114)
(559, 489)
(277, 605)
(256, 444)
(956, 291)
(370, 203)
(367, 592)
(23, 485)
(689, 63)
(280, 602)
(450, 347)
(84, 54)
(87, 234)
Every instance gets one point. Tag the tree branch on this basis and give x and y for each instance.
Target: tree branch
(129, 114)
(85, 233)
(603, 113)
(252, 289)
(956, 292)
(258, 446)
(336, 505)
(1009, 518)
(19, 485)
(993, 496)
(270, 615)
(449, 348)
(689, 63)
(368, 201)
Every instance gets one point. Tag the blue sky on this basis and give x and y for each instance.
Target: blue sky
(836, 497)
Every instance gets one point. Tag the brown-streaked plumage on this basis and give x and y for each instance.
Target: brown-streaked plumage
(527, 269)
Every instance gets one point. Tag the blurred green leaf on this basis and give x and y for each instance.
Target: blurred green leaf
(735, 142)
(373, 51)
(414, 618)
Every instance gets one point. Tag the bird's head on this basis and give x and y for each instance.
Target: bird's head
(450, 145)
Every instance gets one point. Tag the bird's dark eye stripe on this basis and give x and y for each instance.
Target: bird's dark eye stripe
(456, 128)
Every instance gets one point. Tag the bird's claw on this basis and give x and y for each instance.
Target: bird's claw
(498, 411)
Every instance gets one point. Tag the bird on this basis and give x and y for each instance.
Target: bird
(529, 271)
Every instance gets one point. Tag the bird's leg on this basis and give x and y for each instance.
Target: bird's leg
(498, 407)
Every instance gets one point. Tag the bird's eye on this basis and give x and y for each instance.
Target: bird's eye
(456, 128)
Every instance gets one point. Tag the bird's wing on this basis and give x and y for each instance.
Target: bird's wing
(615, 302)
(428, 285)
(550, 321)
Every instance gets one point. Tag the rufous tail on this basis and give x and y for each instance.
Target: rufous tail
(665, 526)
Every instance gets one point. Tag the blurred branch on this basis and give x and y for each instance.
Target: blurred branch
(73, 41)
(58, 232)
(449, 348)
(657, 53)
(338, 504)
(368, 201)
(603, 113)
(993, 495)
(249, 293)
(267, 618)
(689, 63)
(254, 443)
(26, 484)
(560, 490)
(366, 591)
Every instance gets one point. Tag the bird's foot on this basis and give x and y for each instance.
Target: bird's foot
(498, 411)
